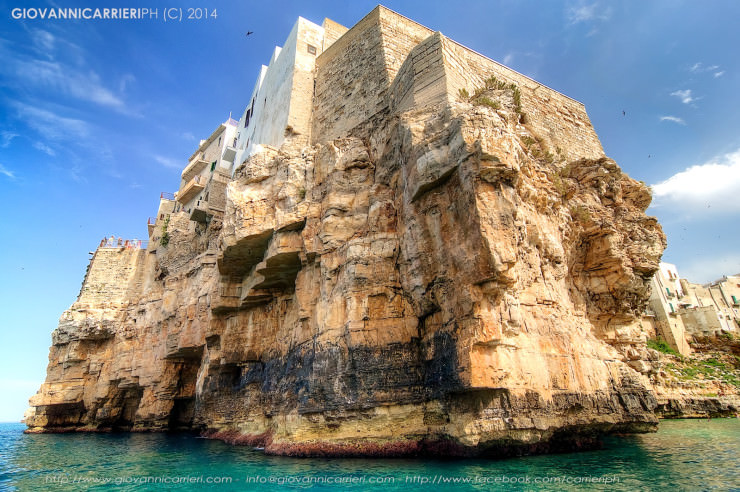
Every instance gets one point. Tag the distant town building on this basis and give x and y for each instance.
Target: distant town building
(680, 310)
(665, 298)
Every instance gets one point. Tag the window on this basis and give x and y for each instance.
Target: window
(213, 166)
(311, 50)
(219, 140)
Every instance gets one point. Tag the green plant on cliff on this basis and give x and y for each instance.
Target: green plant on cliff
(661, 346)
(165, 239)
(484, 101)
(695, 370)
(479, 97)
(517, 95)
(727, 336)
(528, 141)
(561, 186)
(492, 83)
(580, 213)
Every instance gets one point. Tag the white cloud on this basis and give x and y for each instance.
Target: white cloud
(168, 162)
(7, 172)
(188, 136)
(702, 269)
(508, 58)
(58, 67)
(709, 188)
(43, 41)
(684, 96)
(674, 119)
(588, 12)
(700, 68)
(6, 137)
(44, 148)
(52, 125)
(72, 137)
(67, 80)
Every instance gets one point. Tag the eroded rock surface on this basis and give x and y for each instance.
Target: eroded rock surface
(446, 277)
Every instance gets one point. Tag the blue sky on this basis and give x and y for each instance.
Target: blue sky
(98, 117)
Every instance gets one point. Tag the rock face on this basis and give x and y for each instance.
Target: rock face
(439, 274)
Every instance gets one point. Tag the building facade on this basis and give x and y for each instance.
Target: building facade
(681, 310)
(202, 191)
(281, 102)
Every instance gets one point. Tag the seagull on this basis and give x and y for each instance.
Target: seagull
(250, 32)
(623, 113)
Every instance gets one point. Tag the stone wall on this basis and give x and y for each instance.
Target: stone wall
(109, 276)
(421, 79)
(301, 95)
(701, 321)
(354, 70)
(332, 32)
(561, 121)
(350, 74)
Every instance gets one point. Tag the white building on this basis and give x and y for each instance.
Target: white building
(281, 102)
(681, 310)
(666, 298)
(202, 191)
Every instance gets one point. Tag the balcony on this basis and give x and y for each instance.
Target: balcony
(196, 165)
(188, 192)
(229, 153)
(200, 211)
(150, 224)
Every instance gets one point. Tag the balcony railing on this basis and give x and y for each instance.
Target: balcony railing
(196, 165)
(194, 186)
(151, 221)
(120, 243)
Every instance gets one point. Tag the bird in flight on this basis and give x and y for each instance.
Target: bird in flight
(250, 32)
(624, 113)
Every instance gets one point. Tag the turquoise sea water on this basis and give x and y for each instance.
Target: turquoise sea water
(682, 455)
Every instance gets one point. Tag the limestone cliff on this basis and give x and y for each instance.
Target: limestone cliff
(426, 272)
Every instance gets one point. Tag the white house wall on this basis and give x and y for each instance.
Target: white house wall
(283, 92)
